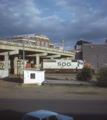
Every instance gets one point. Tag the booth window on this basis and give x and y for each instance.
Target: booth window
(32, 76)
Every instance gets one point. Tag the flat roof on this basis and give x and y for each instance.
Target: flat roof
(81, 42)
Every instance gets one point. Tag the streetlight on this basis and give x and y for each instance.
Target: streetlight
(23, 56)
(63, 44)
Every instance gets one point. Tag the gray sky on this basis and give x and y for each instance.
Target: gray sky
(70, 20)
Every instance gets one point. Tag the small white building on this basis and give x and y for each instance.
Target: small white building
(34, 77)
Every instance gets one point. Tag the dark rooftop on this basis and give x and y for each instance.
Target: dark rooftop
(81, 42)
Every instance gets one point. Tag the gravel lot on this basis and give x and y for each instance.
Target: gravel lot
(64, 77)
(12, 89)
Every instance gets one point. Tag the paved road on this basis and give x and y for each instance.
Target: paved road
(14, 109)
(28, 98)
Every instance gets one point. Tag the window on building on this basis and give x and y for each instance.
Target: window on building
(80, 46)
(32, 76)
(25, 42)
(42, 43)
(46, 44)
(38, 43)
(29, 43)
(19, 41)
(51, 46)
(33, 43)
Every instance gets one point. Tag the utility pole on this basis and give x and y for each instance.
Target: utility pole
(63, 44)
(23, 56)
(23, 60)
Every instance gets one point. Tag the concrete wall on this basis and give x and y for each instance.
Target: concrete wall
(4, 73)
(95, 54)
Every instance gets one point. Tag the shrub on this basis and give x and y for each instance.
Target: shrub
(66, 78)
(102, 77)
(85, 75)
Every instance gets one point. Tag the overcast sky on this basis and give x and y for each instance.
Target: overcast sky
(70, 20)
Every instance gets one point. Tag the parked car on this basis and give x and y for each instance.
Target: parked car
(45, 115)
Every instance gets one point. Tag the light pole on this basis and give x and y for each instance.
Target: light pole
(23, 60)
(63, 44)
(23, 56)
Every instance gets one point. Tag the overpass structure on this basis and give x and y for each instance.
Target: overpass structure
(11, 52)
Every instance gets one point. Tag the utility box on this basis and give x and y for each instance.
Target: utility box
(34, 77)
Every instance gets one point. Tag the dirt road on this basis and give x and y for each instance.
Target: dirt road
(12, 89)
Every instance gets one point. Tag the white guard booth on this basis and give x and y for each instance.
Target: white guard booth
(34, 77)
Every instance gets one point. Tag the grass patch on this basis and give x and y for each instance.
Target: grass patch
(66, 78)
(84, 93)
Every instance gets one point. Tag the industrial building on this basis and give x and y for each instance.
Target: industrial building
(95, 54)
